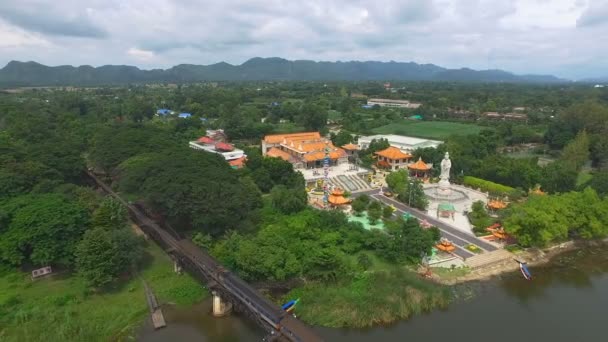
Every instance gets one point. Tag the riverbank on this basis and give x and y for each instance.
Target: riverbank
(61, 307)
(533, 256)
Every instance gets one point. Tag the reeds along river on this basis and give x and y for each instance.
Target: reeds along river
(567, 300)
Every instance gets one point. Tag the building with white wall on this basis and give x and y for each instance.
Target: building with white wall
(393, 103)
(404, 143)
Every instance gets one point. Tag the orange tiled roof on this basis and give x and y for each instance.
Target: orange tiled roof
(337, 192)
(337, 199)
(277, 153)
(278, 138)
(419, 165)
(393, 153)
(238, 163)
(350, 147)
(319, 155)
(311, 146)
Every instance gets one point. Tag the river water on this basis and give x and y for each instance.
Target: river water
(566, 301)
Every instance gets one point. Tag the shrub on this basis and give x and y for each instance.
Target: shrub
(491, 187)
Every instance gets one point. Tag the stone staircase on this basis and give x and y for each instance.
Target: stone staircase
(489, 258)
(351, 183)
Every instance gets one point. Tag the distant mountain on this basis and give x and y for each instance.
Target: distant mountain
(264, 69)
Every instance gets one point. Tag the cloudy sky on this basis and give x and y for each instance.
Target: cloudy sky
(568, 38)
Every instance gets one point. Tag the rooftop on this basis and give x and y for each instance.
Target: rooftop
(403, 140)
(278, 153)
(278, 138)
(350, 147)
(393, 153)
(419, 165)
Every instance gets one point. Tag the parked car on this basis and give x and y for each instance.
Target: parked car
(388, 194)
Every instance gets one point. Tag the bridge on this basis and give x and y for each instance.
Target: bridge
(229, 291)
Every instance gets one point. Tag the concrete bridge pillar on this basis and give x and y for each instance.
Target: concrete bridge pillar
(220, 307)
(177, 268)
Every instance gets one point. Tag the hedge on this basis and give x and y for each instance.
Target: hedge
(487, 186)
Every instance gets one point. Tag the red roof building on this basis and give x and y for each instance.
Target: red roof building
(221, 146)
(205, 140)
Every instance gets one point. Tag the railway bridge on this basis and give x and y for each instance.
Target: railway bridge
(229, 291)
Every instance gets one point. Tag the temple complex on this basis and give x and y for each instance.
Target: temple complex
(303, 150)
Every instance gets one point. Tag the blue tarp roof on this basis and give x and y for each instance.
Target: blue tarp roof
(163, 111)
(184, 115)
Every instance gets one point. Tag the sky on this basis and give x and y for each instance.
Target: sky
(567, 38)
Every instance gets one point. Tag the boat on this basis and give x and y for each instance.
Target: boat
(524, 270)
(289, 306)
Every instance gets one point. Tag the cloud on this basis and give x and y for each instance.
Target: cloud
(141, 55)
(43, 17)
(594, 15)
(524, 36)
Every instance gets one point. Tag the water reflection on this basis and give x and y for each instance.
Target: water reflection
(197, 324)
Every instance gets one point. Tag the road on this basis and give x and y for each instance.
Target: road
(459, 238)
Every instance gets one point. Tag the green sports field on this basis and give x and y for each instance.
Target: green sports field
(429, 129)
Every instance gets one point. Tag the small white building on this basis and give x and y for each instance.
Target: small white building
(225, 150)
(393, 103)
(404, 143)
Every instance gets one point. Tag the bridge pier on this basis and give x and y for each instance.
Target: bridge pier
(177, 268)
(220, 307)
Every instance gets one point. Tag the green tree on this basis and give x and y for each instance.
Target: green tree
(342, 138)
(397, 180)
(413, 195)
(102, 255)
(558, 178)
(359, 204)
(111, 214)
(387, 212)
(287, 200)
(576, 153)
(599, 182)
(41, 229)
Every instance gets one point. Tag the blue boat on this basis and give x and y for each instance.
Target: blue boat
(524, 271)
(290, 305)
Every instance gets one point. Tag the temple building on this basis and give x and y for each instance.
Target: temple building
(337, 198)
(392, 159)
(352, 151)
(420, 169)
(303, 150)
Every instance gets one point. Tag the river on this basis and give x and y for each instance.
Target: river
(566, 301)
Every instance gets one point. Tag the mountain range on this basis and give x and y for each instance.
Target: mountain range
(256, 69)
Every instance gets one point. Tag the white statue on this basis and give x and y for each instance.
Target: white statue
(446, 164)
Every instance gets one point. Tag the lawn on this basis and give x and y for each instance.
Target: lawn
(429, 129)
(62, 308)
(288, 127)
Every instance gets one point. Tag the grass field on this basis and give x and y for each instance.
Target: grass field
(62, 308)
(383, 294)
(428, 129)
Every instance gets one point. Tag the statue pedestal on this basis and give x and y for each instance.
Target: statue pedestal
(444, 189)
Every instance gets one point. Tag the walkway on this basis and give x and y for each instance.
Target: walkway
(457, 237)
